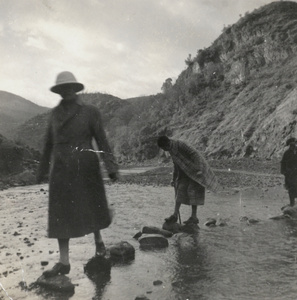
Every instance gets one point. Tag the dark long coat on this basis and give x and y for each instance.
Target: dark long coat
(77, 200)
(289, 169)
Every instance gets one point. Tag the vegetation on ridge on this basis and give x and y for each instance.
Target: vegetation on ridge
(235, 98)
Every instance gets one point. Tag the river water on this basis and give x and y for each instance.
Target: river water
(242, 260)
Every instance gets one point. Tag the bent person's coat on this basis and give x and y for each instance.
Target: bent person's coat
(193, 164)
(77, 200)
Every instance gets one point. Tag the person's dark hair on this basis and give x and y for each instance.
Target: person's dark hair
(290, 141)
(163, 141)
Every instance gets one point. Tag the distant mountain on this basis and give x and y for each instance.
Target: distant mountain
(112, 110)
(236, 98)
(14, 111)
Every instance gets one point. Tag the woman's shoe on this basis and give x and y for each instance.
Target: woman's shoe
(171, 219)
(100, 249)
(191, 220)
(57, 269)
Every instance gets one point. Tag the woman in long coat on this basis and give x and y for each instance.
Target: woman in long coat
(77, 200)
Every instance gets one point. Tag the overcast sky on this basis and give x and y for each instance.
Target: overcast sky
(126, 48)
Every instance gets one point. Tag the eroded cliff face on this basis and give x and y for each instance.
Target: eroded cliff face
(248, 79)
(267, 35)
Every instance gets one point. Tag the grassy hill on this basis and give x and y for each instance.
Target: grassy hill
(235, 98)
(14, 111)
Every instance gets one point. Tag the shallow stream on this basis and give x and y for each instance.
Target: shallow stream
(242, 260)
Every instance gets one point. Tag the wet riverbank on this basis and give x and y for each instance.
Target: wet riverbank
(242, 260)
(238, 261)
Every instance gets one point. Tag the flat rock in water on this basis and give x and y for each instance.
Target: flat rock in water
(60, 283)
(172, 227)
(122, 251)
(156, 230)
(151, 241)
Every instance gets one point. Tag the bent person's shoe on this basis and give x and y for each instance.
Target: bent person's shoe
(171, 219)
(192, 220)
(57, 269)
(100, 249)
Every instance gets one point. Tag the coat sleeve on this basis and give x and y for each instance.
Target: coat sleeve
(44, 166)
(102, 143)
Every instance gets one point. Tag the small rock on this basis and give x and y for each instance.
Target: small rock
(137, 235)
(253, 221)
(142, 297)
(59, 283)
(157, 282)
(44, 263)
(150, 241)
(122, 251)
(172, 227)
(156, 230)
(23, 285)
(210, 221)
(221, 222)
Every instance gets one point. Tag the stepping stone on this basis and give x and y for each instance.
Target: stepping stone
(172, 227)
(151, 241)
(122, 251)
(60, 283)
(156, 230)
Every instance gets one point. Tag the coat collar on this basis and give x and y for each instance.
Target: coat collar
(63, 114)
(76, 100)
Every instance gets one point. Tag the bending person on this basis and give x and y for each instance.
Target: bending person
(191, 176)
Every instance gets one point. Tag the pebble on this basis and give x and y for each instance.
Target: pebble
(157, 282)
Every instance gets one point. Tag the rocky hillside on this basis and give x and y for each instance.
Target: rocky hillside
(14, 111)
(236, 98)
(18, 163)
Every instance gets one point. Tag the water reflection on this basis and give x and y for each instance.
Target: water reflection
(100, 281)
(192, 267)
